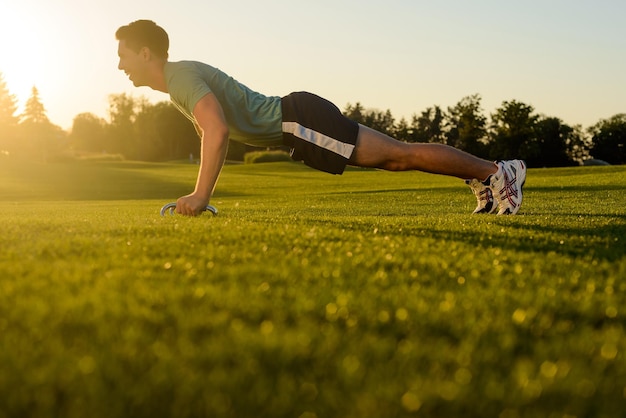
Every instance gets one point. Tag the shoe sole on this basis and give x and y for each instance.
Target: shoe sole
(485, 211)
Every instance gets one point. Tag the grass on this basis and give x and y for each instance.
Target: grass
(372, 294)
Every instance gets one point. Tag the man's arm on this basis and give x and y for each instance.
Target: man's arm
(210, 118)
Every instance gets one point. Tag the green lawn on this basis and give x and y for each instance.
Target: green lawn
(371, 294)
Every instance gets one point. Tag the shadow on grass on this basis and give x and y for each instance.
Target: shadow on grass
(404, 190)
(606, 242)
(591, 241)
(96, 181)
(577, 188)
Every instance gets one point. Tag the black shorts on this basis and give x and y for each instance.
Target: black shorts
(317, 132)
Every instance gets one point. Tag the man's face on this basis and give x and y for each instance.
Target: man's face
(133, 63)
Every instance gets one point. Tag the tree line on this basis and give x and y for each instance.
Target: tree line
(136, 129)
(514, 130)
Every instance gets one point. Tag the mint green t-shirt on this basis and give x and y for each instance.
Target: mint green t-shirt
(252, 118)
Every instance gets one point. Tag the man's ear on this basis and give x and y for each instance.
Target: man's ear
(145, 53)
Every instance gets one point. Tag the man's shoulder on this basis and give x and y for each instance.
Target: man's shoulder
(187, 75)
(172, 67)
(187, 83)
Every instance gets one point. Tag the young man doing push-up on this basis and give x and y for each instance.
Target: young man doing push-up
(315, 129)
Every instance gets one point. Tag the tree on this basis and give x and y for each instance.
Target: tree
(372, 118)
(165, 134)
(380, 121)
(39, 137)
(513, 132)
(578, 145)
(403, 131)
(8, 106)
(355, 112)
(8, 120)
(34, 111)
(429, 126)
(177, 132)
(123, 111)
(554, 138)
(608, 139)
(88, 133)
(467, 126)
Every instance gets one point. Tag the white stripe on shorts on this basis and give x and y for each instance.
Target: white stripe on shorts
(321, 140)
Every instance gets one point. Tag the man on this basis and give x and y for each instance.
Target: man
(315, 130)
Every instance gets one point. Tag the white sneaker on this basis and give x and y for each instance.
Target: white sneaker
(507, 184)
(484, 196)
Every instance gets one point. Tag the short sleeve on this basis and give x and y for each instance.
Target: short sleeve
(186, 87)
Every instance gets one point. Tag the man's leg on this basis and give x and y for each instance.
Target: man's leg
(374, 149)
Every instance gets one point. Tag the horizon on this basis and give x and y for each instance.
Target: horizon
(564, 59)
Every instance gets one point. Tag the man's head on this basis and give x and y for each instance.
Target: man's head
(145, 33)
(141, 43)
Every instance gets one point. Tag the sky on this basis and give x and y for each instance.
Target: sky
(565, 58)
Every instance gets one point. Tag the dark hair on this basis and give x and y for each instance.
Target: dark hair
(145, 33)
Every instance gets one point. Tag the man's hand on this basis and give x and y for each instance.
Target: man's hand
(191, 205)
(210, 118)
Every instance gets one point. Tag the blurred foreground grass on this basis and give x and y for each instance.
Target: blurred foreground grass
(372, 294)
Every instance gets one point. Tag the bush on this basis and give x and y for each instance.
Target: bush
(266, 157)
(71, 156)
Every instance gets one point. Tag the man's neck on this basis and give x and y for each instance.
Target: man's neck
(158, 78)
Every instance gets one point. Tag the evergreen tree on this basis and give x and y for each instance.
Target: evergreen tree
(380, 121)
(34, 110)
(372, 118)
(38, 136)
(355, 113)
(429, 126)
(402, 131)
(8, 120)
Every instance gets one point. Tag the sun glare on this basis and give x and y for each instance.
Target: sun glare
(35, 53)
(20, 48)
